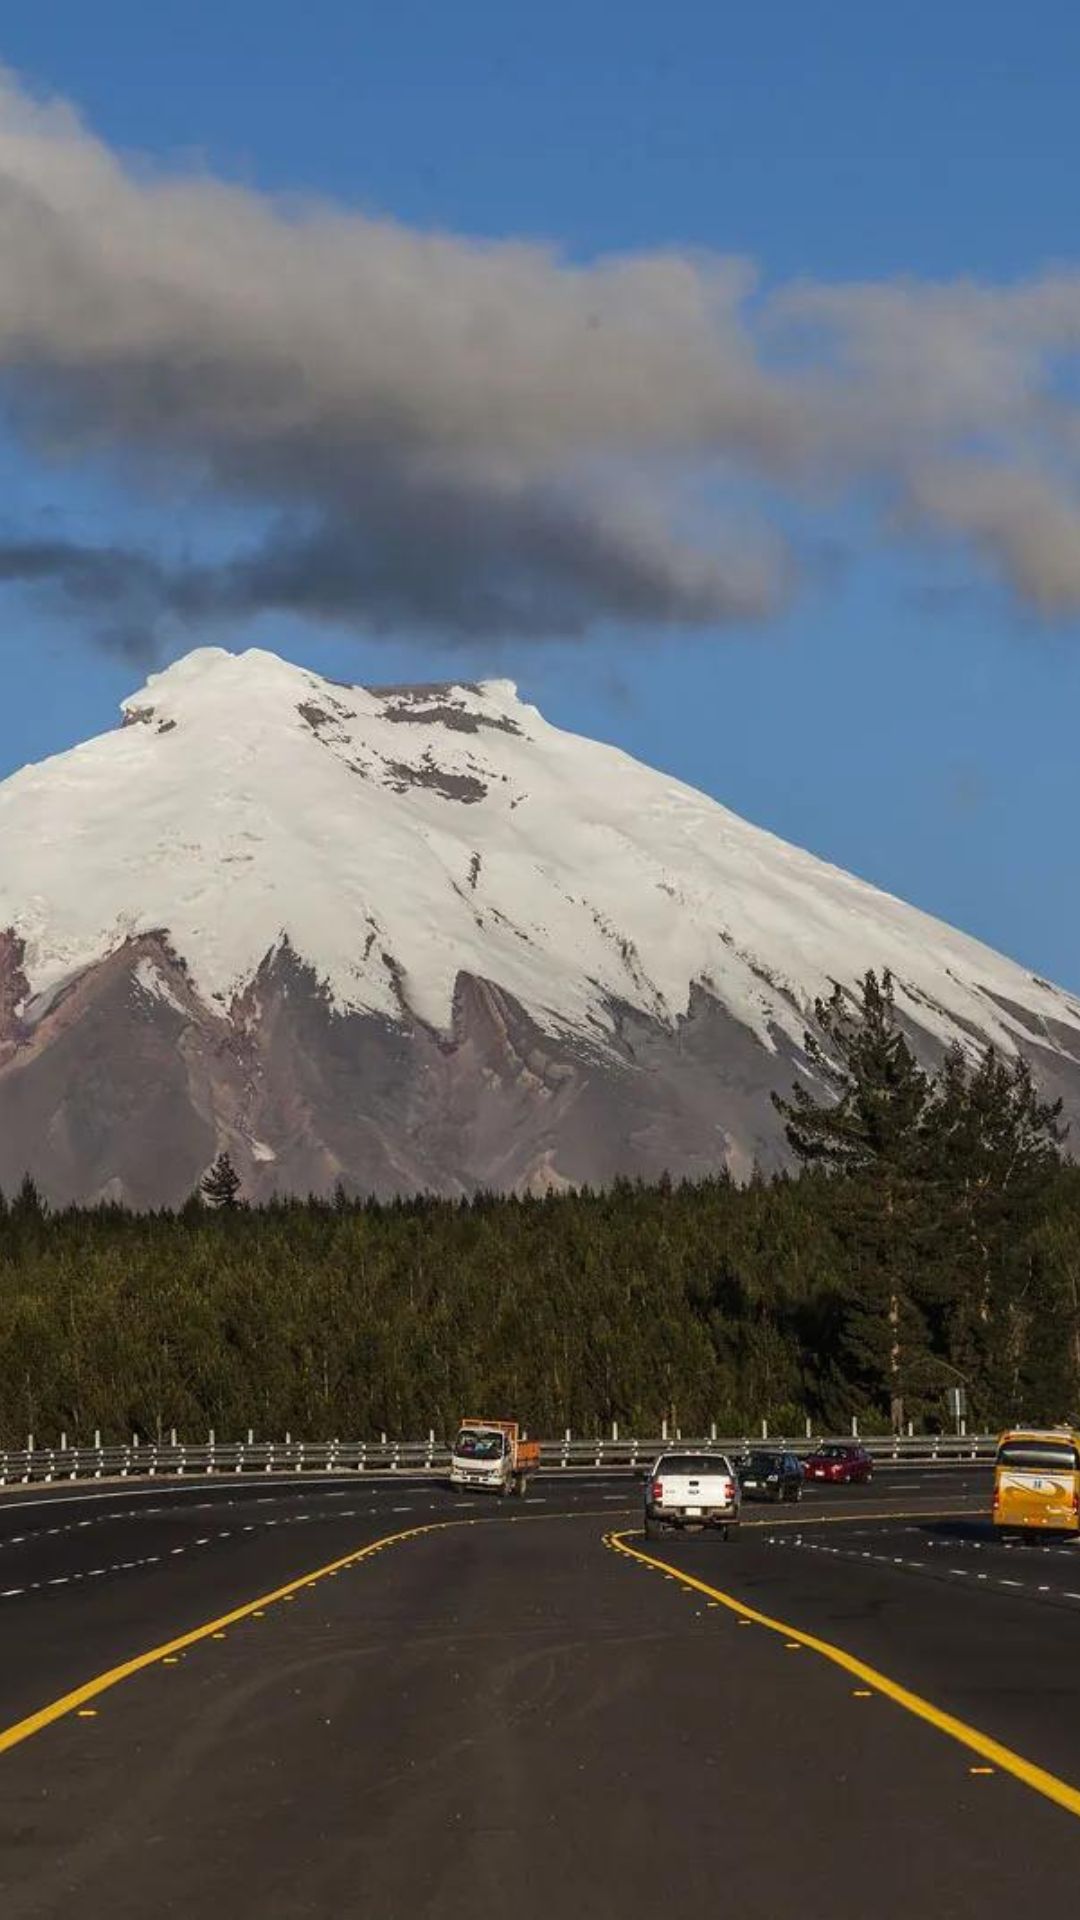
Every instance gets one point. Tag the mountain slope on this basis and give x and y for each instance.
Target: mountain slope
(417, 937)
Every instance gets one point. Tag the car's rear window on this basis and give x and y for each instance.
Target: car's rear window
(694, 1464)
(1033, 1454)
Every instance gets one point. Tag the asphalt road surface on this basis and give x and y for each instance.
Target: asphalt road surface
(230, 1700)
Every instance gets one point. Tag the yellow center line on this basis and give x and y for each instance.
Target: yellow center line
(1031, 1775)
(211, 1630)
(169, 1652)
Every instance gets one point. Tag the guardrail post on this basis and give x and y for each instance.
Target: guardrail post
(430, 1461)
(712, 1430)
(854, 1426)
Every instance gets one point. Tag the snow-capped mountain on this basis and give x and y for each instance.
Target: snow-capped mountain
(416, 937)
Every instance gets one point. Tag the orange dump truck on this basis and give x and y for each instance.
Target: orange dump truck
(493, 1455)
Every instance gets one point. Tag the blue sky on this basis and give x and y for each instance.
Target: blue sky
(906, 715)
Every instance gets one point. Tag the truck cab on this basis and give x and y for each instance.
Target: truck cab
(491, 1456)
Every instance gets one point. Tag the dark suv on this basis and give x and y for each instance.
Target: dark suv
(770, 1474)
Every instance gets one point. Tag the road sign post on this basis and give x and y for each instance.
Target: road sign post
(956, 1401)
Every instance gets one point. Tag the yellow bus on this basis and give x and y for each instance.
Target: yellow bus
(1037, 1480)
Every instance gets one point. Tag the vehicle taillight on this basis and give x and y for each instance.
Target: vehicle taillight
(657, 1489)
(997, 1499)
(729, 1489)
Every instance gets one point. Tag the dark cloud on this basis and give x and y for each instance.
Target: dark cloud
(444, 559)
(482, 439)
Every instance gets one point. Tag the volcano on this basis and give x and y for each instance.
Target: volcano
(416, 939)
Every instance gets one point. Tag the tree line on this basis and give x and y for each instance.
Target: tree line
(928, 1236)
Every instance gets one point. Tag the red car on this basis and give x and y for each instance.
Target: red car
(840, 1462)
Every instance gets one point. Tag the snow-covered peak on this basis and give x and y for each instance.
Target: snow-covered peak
(211, 685)
(397, 837)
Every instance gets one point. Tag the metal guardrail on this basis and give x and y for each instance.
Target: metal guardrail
(47, 1465)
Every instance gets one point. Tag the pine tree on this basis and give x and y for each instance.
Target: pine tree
(221, 1185)
(994, 1155)
(871, 1123)
(28, 1203)
(879, 1093)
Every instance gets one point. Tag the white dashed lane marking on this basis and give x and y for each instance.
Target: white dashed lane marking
(151, 1559)
(857, 1555)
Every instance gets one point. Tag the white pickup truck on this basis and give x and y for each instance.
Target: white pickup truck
(691, 1488)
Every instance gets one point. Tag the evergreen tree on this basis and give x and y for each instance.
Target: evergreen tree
(877, 1092)
(28, 1204)
(221, 1186)
(994, 1153)
(870, 1122)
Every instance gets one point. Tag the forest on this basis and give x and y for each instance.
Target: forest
(927, 1236)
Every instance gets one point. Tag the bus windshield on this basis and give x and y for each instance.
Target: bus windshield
(1039, 1456)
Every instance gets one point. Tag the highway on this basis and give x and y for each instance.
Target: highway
(524, 1707)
